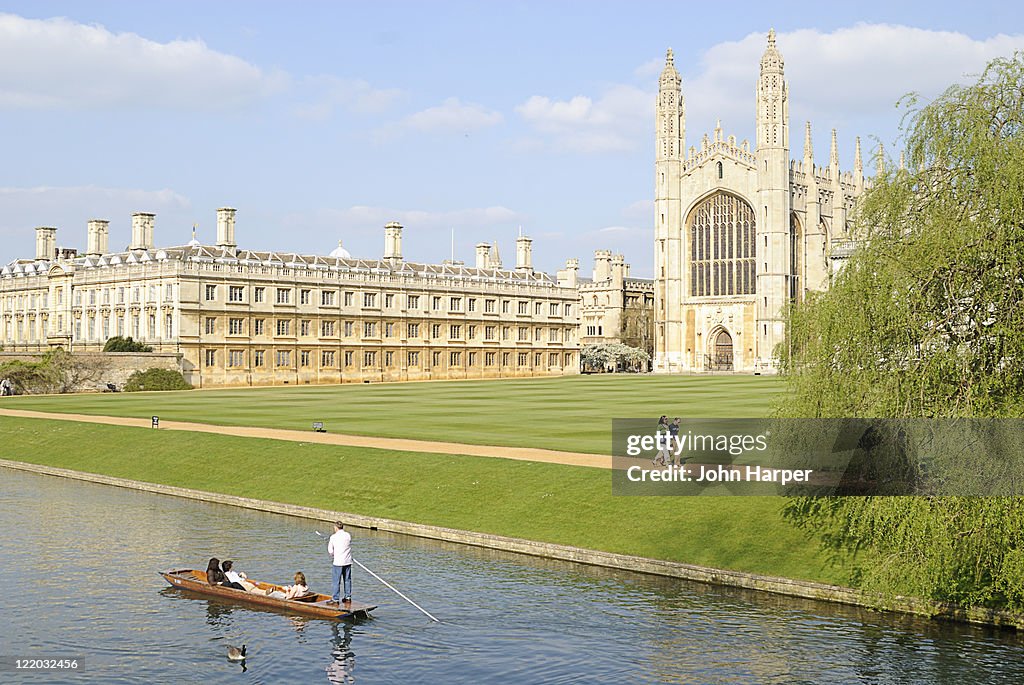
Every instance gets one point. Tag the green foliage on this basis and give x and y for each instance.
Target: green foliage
(156, 379)
(119, 344)
(927, 320)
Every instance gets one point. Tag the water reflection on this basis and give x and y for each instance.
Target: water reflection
(341, 669)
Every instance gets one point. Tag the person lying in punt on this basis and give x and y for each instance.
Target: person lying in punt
(288, 591)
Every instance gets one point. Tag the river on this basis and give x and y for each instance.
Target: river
(78, 573)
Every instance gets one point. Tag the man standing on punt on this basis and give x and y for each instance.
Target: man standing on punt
(339, 546)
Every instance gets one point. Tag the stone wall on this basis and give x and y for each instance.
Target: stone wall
(116, 366)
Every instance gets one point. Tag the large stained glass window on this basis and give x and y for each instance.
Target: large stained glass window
(722, 244)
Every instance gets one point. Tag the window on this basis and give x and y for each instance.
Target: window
(369, 299)
(568, 359)
(436, 359)
(348, 359)
(211, 325)
(523, 307)
(506, 333)
(413, 330)
(568, 310)
(235, 293)
(211, 293)
(489, 332)
(349, 298)
(348, 329)
(524, 333)
(471, 332)
(327, 359)
(327, 329)
(152, 293)
(257, 358)
(369, 329)
(489, 306)
(389, 330)
(257, 327)
(168, 294)
(284, 358)
(505, 304)
(506, 358)
(304, 297)
(454, 359)
(471, 305)
(304, 325)
(259, 294)
(389, 358)
(304, 358)
(210, 357)
(437, 304)
(538, 334)
(120, 295)
(236, 358)
(537, 308)
(553, 309)
(489, 358)
(284, 326)
(454, 332)
(389, 300)
(471, 359)
(435, 331)
(369, 358)
(92, 297)
(536, 359)
(284, 295)
(523, 359)
(414, 301)
(136, 290)
(414, 359)
(327, 299)
(235, 326)
(455, 304)
(151, 331)
(553, 359)
(722, 247)
(552, 335)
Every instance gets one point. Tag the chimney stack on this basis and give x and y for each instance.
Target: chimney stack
(142, 231)
(226, 228)
(46, 242)
(393, 242)
(524, 254)
(483, 256)
(98, 237)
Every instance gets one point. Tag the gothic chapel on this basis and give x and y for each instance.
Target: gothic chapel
(739, 233)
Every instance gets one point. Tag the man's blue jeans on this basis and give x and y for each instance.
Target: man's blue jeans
(339, 573)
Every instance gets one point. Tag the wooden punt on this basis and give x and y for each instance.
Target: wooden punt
(311, 604)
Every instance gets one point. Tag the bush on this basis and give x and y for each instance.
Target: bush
(156, 379)
(119, 344)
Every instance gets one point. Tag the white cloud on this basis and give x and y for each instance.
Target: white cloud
(331, 93)
(58, 63)
(613, 122)
(452, 116)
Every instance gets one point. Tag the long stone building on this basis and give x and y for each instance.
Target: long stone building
(240, 317)
(740, 232)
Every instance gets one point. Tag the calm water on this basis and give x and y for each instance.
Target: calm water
(78, 569)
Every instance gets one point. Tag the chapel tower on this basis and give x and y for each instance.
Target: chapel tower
(670, 124)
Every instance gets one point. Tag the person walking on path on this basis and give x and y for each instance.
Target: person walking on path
(339, 546)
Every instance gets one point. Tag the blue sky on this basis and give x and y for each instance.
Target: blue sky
(321, 121)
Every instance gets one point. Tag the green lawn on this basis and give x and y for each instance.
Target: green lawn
(569, 413)
(548, 502)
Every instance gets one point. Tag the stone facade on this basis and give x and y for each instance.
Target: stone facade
(112, 367)
(616, 307)
(239, 317)
(740, 233)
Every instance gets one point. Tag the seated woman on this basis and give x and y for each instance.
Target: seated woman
(235, 580)
(214, 576)
(290, 591)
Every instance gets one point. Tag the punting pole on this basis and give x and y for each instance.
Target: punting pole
(390, 586)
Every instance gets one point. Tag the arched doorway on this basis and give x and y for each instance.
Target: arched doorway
(721, 352)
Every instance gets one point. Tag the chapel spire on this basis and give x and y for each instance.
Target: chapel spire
(671, 112)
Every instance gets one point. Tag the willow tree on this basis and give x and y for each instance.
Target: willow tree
(927, 320)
